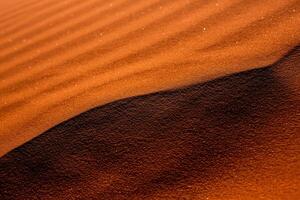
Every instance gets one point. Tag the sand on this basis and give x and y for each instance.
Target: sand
(61, 58)
(233, 135)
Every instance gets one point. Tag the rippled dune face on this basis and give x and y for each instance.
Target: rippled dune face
(232, 135)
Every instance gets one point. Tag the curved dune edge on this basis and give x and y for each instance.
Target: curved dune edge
(235, 137)
(59, 60)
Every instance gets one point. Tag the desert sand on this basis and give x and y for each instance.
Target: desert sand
(61, 58)
(235, 137)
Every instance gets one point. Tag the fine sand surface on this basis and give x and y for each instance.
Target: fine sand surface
(233, 138)
(61, 58)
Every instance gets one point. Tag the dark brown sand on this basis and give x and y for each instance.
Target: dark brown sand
(235, 137)
(232, 138)
(61, 58)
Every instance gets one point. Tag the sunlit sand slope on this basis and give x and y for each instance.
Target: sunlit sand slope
(60, 58)
(233, 138)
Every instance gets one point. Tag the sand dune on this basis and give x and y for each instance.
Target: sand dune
(235, 137)
(61, 58)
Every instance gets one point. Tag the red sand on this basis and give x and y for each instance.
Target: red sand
(67, 57)
(231, 138)
(61, 58)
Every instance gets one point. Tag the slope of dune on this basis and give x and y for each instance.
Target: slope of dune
(61, 58)
(233, 138)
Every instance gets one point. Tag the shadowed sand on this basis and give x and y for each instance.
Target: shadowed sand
(235, 137)
(61, 58)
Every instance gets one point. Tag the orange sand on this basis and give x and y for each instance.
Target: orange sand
(236, 137)
(61, 58)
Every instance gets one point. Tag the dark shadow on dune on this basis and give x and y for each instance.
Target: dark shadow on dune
(153, 142)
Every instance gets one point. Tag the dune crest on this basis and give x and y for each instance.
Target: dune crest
(60, 59)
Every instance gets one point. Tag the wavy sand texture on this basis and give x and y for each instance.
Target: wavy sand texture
(235, 137)
(61, 58)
